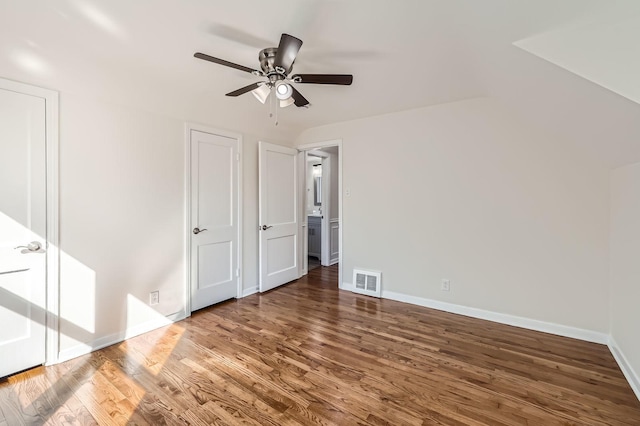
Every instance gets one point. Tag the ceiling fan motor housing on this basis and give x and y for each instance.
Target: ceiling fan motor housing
(267, 57)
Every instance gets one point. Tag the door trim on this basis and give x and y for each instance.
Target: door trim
(326, 144)
(52, 286)
(187, 208)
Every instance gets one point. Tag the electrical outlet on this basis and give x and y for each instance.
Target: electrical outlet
(154, 298)
(445, 285)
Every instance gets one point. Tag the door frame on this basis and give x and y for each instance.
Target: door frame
(187, 208)
(302, 206)
(52, 285)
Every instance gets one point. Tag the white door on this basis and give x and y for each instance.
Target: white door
(278, 215)
(214, 218)
(22, 223)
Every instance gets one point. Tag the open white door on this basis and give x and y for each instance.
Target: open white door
(22, 231)
(278, 216)
(214, 218)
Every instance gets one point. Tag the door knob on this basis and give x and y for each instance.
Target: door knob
(32, 246)
(198, 230)
(265, 227)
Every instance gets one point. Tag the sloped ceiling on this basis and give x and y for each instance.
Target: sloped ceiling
(605, 51)
(403, 54)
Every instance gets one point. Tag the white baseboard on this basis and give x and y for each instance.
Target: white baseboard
(249, 291)
(628, 371)
(111, 339)
(345, 286)
(528, 323)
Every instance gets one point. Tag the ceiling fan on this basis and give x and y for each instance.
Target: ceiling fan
(276, 64)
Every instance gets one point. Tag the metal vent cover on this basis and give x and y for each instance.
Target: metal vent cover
(367, 282)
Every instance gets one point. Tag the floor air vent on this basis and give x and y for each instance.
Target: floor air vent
(367, 282)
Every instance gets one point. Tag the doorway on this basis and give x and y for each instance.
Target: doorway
(321, 207)
(313, 205)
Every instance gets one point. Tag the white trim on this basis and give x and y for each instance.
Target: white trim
(53, 236)
(52, 336)
(316, 145)
(325, 249)
(111, 339)
(249, 291)
(303, 267)
(326, 144)
(528, 323)
(187, 219)
(240, 274)
(628, 371)
(187, 207)
(318, 153)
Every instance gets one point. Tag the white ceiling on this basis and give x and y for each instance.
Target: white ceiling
(403, 54)
(607, 53)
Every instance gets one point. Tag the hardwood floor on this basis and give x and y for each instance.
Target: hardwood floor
(313, 262)
(307, 353)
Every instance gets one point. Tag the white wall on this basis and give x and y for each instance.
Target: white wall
(625, 266)
(122, 219)
(518, 223)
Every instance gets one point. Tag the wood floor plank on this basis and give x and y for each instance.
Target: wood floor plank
(308, 353)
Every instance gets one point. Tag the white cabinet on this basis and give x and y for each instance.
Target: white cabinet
(314, 224)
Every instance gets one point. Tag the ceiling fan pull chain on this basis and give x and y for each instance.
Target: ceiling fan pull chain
(271, 103)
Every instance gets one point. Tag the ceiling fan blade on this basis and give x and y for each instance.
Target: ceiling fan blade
(238, 36)
(287, 52)
(225, 63)
(342, 79)
(298, 99)
(244, 90)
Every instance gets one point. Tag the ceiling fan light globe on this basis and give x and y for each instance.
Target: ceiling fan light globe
(286, 102)
(283, 91)
(261, 93)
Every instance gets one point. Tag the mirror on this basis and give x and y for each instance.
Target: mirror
(317, 191)
(317, 184)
